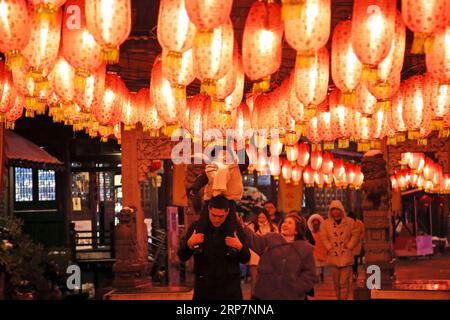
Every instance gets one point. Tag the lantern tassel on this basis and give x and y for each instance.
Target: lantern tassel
(169, 129)
(413, 134)
(375, 145)
(348, 98)
(370, 73)
(129, 127)
(310, 112)
(46, 12)
(343, 143)
(305, 59)
(10, 125)
(328, 145)
(14, 59)
(422, 142)
(444, 133)
(110, 54)
(262, 85)
(36, 75)
(29, 113)
(400, 137)
(391, 141)
(363, 146)
(218, 105)
(384, 104)
(30, 102)
(437, 124)
(80, 79)
(179, 93)
(292, 10)
(429, 43)
(208, 87)
(422, 43)
(173, 60)
(203, 38)
(316, 147)
(382, 88)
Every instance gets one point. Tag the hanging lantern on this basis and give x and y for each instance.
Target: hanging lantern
(341, 120)
(175, 38)
(276, 146)
(438, 58)
(110, 24)
(235, 98)
(316, 160)
(297, 175)
(15, 112)
(415, 112)
(428, 186)
(350, 174)
(130, 110)
(325, 130)
(346, 69)
(286, 171)
(308, 177)
(328, 179)
(446, 183)
(262, 43)
(362, 131)
(292, 153)
(428, 169)
(373, 27)
(319, 179)
(118, 133)
(359, 179)
(312, 133)
(14, 30)
(338, 169)
(274, 167)
(243, 126)
(311, 83)
(423, 17)
(95, 86)
(46, 9)
(303, 154)
(252, 155)
(394, 183)
(28, 88)
(41, 51)
(389, 70)
(395, 117)
(197, 122)
(296, 108)
(437, 97)
(150, 118)
(378, 129)
(215, 59)
(438, 175)
(416, 162)
(7, 91)
(262, 164)
(226, 84)
(367, 103)
(218, 121)
(207, 15)
(61, 79)
(309, 30)
(327, 163)
(78, 45)
(170, 109)
(107, 107)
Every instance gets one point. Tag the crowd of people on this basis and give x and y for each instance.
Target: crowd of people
(286, 255)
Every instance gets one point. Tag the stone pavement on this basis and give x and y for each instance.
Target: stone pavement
(436, 268)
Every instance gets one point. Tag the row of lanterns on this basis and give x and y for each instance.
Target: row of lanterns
(66, 72)
(420, 172)
(312, 167)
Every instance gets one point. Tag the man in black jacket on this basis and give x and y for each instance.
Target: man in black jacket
(216, 265)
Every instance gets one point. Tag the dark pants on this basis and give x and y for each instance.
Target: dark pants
(226, 288)
(355, 264)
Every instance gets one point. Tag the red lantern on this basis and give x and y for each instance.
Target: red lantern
(274, 167)
(26, 87)
(319, 179)
(95, 86)
(15, 112)
(415, 112)
(446, 183)
(175, 38)
(423, 17)
(296, 108)
(362, 131)
(61, 78)
(311, 83)
(341, 119)
(328, 179)
(78, 46)
(312, 131)
(170, 109)
(208, 14)
(110, 24)
(292, 153)
(394, 183)
(303, 154)
(325, 130)
(416, 162)
(395, 116)
(316, 160)
(41, 51)
(297, 175)
(373, 27)
(235, 98)
(359, 179)
(261, 44)
(276, 146)
(327, 163)
(243, 123)
(130, 110)
(107, 106)
(286, 171)
(378, 129)
(14, 30)
(309, 31)
(7, 92)
(197, 123)
(214, 59)
(438, 58)
(338, 169)
(437, 97)
(308, 177)
(428, 169)
(346, 69)
(367, 103)
(262, 164)
(350, 174)
(150, 119)
(252, 155)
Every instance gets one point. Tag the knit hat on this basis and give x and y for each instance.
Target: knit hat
(336, 204)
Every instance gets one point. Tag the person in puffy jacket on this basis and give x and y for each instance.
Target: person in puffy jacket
(339, 235)
(286, 268)
(320, 255)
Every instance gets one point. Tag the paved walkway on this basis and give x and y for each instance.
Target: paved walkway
(436, 268)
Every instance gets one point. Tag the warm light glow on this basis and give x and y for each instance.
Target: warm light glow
(312, 12)
(375, 23)
(107, 7)
(266, 41)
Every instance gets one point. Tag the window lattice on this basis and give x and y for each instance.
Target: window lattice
(47, 186)
(23, 184)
